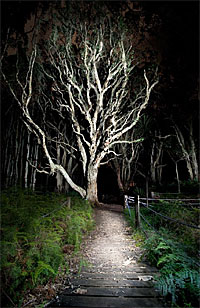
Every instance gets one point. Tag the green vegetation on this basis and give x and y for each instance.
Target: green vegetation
(34, 232)
(173, 249)
(179, 279)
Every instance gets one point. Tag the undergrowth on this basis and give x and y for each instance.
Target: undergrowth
(34, 231)
(173, 249)
(179, 279)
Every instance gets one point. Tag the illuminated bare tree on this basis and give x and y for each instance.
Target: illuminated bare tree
(89, 82)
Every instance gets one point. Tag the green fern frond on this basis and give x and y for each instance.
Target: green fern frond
(170, 284)
(41, 268)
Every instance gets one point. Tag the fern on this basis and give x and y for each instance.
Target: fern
(42, 267)
(162, 246)
(179, 281)
(172, 283)
(168, 258)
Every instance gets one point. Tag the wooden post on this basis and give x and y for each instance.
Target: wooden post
(137, 213)
(125, 198)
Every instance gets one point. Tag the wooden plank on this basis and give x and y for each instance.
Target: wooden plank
(112, 291)
(104, 302)
(111, 283)
(125, 269)
(114, 275)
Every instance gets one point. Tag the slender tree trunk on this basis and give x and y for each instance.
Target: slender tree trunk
(177, 172)
(11, 170)
(8, 174)
(17, 148)
(177, 177)
(153, 168)
(189, 167)
(186, 153)
(160, 167)
(22, 157)
(64, 164)
(6, 164)
(27, 163)
(59, 176)
(194, 162)
(34, 174)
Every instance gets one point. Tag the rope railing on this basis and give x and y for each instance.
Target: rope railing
(149, 207)
(168, 199)
(181, 202)
(169, 218)
(56, 210)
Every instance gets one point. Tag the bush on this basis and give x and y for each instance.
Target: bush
(35, 227)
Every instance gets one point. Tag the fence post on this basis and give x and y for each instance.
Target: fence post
(137, 213)
(125, 200)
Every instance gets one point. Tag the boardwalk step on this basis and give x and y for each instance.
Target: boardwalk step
(111, 283)
(114, 292)
(104, 302)
(123, 269)
(117, 275)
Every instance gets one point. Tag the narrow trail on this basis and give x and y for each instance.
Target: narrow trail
(113, 277)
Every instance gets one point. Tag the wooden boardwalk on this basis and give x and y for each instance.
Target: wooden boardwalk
(114, 278)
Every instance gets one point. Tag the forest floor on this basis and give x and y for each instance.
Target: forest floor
(113, 276)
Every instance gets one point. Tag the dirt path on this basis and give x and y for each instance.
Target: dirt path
(113, 277)
(111, 245)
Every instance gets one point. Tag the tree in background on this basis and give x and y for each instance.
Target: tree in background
(187, 147)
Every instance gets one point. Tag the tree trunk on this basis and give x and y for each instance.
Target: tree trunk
(152, 167)
(59, 176)
(194, 161)
(189, 168)
(92, 192)
(27, 163)
(185, 151)
(34, 171)
(177, 177)
(119, 180)
(22, 157)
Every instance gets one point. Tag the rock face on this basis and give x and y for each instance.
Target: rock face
(113, 277)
